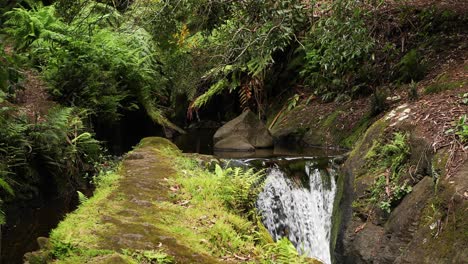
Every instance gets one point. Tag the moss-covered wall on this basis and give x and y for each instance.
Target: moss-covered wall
(160, 206)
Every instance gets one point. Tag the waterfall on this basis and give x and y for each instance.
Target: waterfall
(300, 208)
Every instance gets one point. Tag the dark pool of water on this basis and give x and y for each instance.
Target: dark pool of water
(197, 140)
(25, 224)
(281, 151)
(200, 140)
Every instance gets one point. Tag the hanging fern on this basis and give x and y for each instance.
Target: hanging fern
(245, 95)
(95, 61)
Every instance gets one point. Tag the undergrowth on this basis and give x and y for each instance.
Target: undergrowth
(389, 163)
(58, 147)
(221, 209)
(209, 212)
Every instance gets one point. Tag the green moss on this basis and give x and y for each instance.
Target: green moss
(443, 86)
(157, 142)
(439, 162)
(364, 144)
(372, 153)
(330, 120)
(79, 227)
(388, 162)
(185, 212)
(356, 133)
(447, 239)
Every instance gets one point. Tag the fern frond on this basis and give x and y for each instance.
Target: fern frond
(214, 89)
(5, 186)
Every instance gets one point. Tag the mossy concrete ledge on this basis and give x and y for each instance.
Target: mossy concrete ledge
(123, 222)
(161, 206)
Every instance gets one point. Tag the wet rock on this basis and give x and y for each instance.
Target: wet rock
(410, 208)
(133, 236)
(364, 246)
(37, 257)
(43, 242)
(234, 142)
(244, 133)
(139, 202)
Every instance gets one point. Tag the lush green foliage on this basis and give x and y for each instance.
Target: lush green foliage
(227, 196)
(9, 75)
(391, 159)
(58, 146)
(283, 251)
(460, 129)
(243, 47)
(97, 61)
(338, 50)
(239, 189)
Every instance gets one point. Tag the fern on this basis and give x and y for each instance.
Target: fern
(282, 252)
(96, 61)
(239, 188)
(81, 197)
(246, 42)
(245, 95)
(214, 89)
(5, 186)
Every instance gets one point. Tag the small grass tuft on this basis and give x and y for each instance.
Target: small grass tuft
(442, 86)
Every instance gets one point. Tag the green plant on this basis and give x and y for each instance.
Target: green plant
(244, 44)
(10, 75)
(388, 188)
(59, 145)
(378, 102)
(292, 102)
(460, 129)
(149, 256)
(336, 48)
(413, 91)
(239, 188)
(411, 67)
(94, 61)
(282, 252)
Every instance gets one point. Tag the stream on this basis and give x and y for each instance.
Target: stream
(25, 224)
(299, 192)
(297, 200)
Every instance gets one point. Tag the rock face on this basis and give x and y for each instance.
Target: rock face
(244, 133)
(428, 225)
(323, 125)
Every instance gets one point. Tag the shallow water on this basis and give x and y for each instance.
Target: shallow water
(25, 224)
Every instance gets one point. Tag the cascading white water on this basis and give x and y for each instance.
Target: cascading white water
(301, 213)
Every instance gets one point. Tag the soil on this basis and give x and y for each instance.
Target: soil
(34, 99)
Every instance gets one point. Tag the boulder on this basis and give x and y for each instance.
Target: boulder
(244, 133)
(234, 142)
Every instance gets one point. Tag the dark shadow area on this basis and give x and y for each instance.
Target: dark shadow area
(26, 223)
